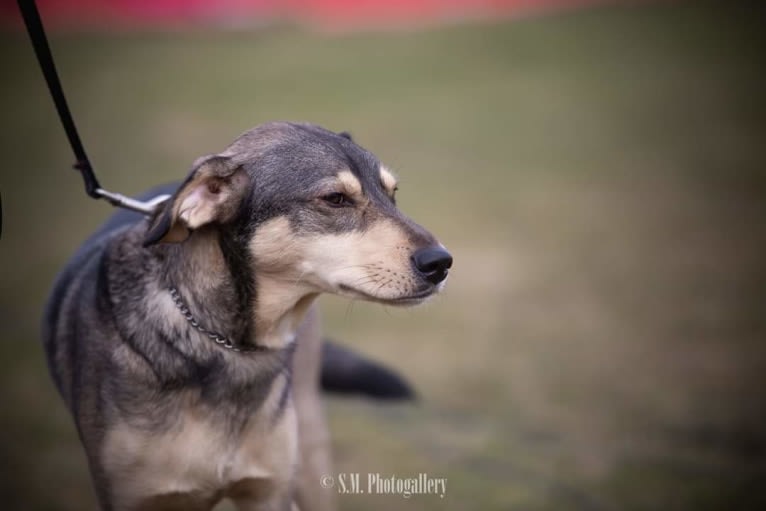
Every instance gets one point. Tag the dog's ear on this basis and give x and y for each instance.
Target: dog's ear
(211, 193)
(346, 134)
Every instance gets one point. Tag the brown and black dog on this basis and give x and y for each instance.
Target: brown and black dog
(187, 346)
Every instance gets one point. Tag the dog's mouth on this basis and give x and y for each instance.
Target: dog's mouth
(402, 301)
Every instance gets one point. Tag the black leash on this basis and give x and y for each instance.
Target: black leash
(42, 50)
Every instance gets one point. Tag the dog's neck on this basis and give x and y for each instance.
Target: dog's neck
(267, 316)
(278, 310)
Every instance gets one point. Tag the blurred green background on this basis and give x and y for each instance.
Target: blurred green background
(599, 175)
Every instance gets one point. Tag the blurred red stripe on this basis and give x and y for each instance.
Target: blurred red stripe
(326, 13)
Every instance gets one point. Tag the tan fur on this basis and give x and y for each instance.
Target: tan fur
(351, 185)
(373, 263)
(388, 180)
(281, 289)
(259, 462)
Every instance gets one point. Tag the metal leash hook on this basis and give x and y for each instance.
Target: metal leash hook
(123, 201)
(92, 187)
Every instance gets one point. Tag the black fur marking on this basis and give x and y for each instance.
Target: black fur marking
(159, 225)
(162, 220)
(233, 242)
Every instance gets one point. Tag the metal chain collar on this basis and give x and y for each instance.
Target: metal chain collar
(219, 339)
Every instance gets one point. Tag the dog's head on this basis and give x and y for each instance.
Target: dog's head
(311, 211)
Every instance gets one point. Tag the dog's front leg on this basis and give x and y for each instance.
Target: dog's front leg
(313, 435)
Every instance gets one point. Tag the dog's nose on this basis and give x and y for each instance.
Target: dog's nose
(432, 263)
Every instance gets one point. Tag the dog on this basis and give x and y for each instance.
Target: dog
(187, 345)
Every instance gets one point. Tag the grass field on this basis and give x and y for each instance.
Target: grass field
(600, 177)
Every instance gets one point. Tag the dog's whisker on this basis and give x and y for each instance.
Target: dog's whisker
(366, 279)
(382, 284)
(349, 308)
(367, 265)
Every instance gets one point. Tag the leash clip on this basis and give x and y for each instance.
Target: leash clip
(121, 201)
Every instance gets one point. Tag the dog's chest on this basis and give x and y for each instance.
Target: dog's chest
(198, 457)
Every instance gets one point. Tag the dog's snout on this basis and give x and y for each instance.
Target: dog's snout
(432, 263)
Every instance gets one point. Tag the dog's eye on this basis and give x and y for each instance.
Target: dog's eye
(338, 200)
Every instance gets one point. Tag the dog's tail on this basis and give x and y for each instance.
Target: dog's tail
(346, 372)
